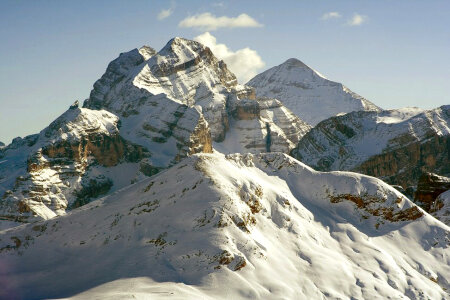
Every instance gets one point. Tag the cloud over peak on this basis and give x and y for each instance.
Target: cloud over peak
(357, 20)
(244, 63)
(208, 21)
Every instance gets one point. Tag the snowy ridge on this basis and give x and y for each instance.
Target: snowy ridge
(266, 226)
(307, 93)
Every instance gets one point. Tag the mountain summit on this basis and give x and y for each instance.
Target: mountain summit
(307, 93)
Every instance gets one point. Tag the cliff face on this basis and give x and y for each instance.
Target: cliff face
(404, 165)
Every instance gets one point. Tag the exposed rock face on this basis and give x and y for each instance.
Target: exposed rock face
(396, 145)
(307, 93)
(57, 168)
(429, 187)
(403, 166)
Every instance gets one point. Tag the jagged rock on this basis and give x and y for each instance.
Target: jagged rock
(75, 105)
(307, 93)
(395, 145)
(429, 187)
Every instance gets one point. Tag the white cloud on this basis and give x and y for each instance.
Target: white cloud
(330, 15)
(244, 63)
(208, 21)
(357, 20)
(165, 13)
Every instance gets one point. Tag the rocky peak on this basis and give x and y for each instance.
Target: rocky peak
(147, 52)
(294, 63)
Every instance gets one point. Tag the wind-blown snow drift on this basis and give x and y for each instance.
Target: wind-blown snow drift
(236, 226)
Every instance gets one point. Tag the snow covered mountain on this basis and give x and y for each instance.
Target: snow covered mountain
(190, 75)
(394, 145)
(265, 226)
(67, 163)
(307, 93)
(148, 111)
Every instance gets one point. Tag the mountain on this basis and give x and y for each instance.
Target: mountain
(394, 145)
(147, 112)
(64, 165)
(307, 93)
(236, 226)
(190, 75)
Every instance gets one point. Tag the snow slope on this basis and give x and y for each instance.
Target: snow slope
(307, 93)
(234, 227)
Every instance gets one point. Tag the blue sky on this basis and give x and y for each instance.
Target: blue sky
(51, 53)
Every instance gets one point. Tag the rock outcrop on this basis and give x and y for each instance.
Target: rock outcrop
(429, 187)
(307, 93)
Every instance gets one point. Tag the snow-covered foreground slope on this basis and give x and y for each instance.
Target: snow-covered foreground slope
(307, 93)
(240, 226)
